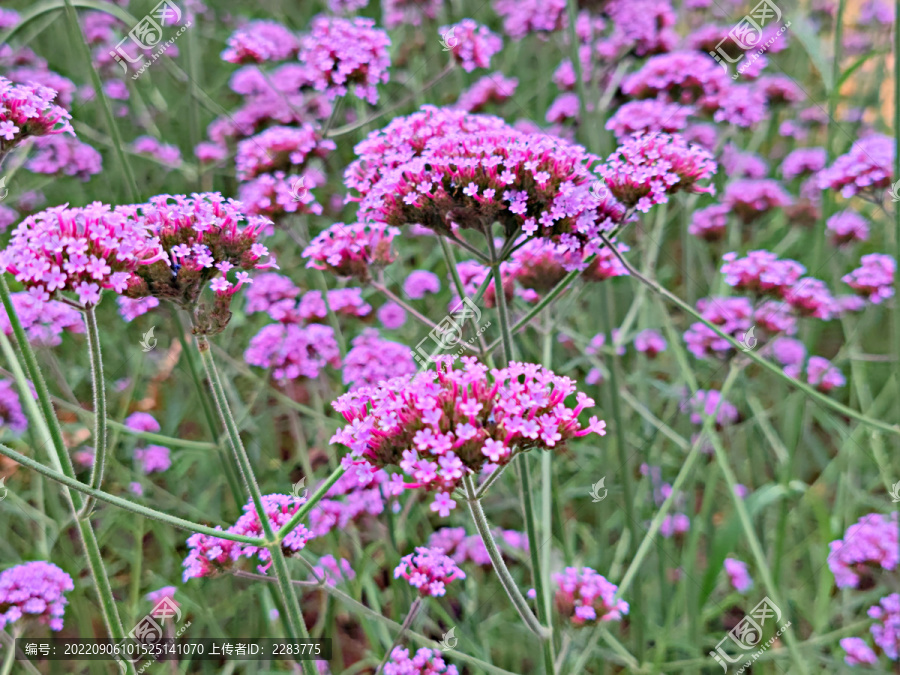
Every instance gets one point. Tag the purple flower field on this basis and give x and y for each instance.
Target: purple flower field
(423, 337)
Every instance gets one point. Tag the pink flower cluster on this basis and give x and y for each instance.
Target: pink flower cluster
(750, 199)
(277, 193)
(584, 596)
(34, 590)
(64, 156)
(165, 153)
(428, 570)
(43, 322)
(341, 52)
(687, 78)
(372, 360)
(803, 161)
(349, 499)
(647, 168)
(874, 279)
(424, 662)
(650, 342)
(470, 44)
(868, 544)
(28, 110)
(261, 41)
(470, 548)
(710, 223)
(409, 12)
(82, 250)
(280, 148)
(333, 571)
(704, 404)
(293, 351)
(738, 575)
(648, 115)
(209, 555)
(440, 425)
(886, 629)
(420, 282)
(493, 88)
(522, 17)
(151, 458)
(846, 227)
(867, 167)
(352, 250)
(343, 302)
(640, 26)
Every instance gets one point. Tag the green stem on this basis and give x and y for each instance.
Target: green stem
(98, 387)
(500, 296)
(752, 355)
(316, 497)
(118, 502)
(332, 317)
(294, 623)
(509, 584)
(404, 627)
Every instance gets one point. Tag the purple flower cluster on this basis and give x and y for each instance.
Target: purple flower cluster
(151, 458)
(471, 44)
(341, 52)
(34, 590)
(442, 424)
(704, 403)
(584, 596)
(280, 148)
(165, 153)
(867, 167)
(424, 662)
(803, 162)
(372, 360)
(738, 575)
(420, 282)
(293, 351)
(11, 415)
(688, 78)
(874, 279)
(868, 544)
(343, 302)
(522, 17)
(43, 322)
(428, 570)
(352, 250)
(210, 555)
(847, 227)
(886, 629)
(351, 498)
(647, 168)
(648, 115)
(710, 223)
(64, 156)
(28, 110)
(750, 199)
(409, 12)
(470, 548)
(493, 88)
(650, 342)
(261, 41)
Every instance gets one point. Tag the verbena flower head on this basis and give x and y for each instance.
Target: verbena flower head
(529, 183)
(343, 302)
(886, 629)
(650, 342)
(802, 162)
(261, 41)
(420, 282)
(43, 322)
(868, 544)
(409, 12)
(704, 404)
(858, 652)
(470, 548)
(205, 238)
(761, 272)
(81, 250)
(846, 227)
(710, 223)
(152, 147)
(821, 374)
(471, 44)
(738, 575)
(272, 293)
(647, 168)
(424, 662)
(405, 138)
(64, 156)
(688, 78)
(34, 590)
(442, 424)
(874, 279)
(280, 148)
(28, 110)
(351, 498)
(294, 351)
(210, 555)
(334, 571)
(732, 315)
(494, 88)
(739, 164)
(428, 570)
(750, 199)
(646, 116)
(153, 458)
(866, 168)
(11, 415)
(522, 17)
(343, 52)
(352, 250)
(372, 360)
(278, 193)
(586, 597)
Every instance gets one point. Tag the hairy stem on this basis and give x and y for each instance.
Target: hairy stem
(99, 390)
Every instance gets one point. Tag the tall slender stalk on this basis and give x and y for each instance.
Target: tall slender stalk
(98, 387)
(509, 584)
(294, 623)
